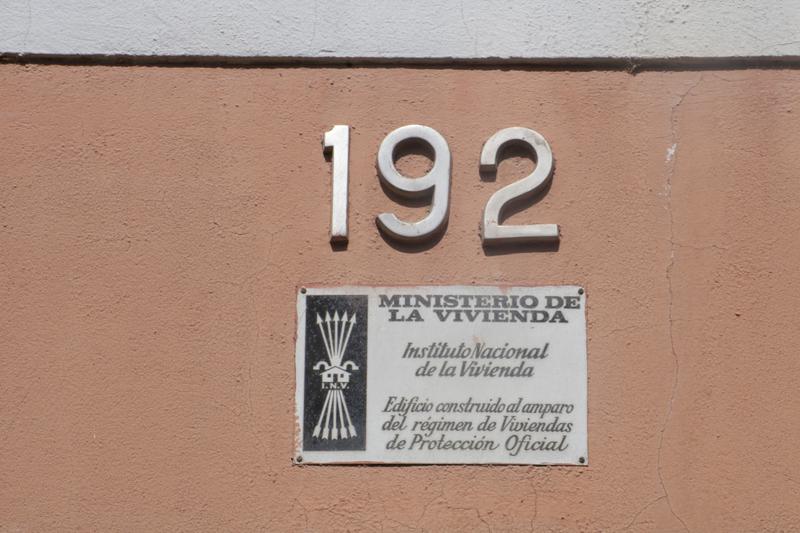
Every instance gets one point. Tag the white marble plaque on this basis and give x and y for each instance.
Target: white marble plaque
(426, 375)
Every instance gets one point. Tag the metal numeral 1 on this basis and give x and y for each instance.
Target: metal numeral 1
(337, 141)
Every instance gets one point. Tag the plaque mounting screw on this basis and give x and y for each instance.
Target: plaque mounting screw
(580, 291)
(299, 459)
(302, 290)
(581, 460)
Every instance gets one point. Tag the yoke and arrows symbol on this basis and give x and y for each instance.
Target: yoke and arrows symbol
(334, 419)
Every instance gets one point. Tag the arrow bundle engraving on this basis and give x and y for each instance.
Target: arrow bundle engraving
(334, 419)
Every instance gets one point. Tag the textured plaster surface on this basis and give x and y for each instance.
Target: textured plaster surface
(155, 224)
(541, 29)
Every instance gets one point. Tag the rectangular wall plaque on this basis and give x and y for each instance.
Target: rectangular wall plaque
(427, 375)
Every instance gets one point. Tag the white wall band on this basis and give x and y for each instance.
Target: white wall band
(411, 29)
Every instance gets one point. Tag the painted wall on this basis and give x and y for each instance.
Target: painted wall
(155, 224)
(530, 30)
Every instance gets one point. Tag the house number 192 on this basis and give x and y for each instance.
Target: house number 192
(436, 184)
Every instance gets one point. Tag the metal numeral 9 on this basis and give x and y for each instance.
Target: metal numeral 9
(436, 180)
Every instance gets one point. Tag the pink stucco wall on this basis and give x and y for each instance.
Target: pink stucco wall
(155, 224)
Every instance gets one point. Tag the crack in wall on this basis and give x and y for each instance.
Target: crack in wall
(297, 501)
(440, 496)
(641, 511)
(535, 509)
(467, 30)
(671, 164)
(481, 519)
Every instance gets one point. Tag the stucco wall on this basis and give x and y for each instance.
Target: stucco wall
(156, 222)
